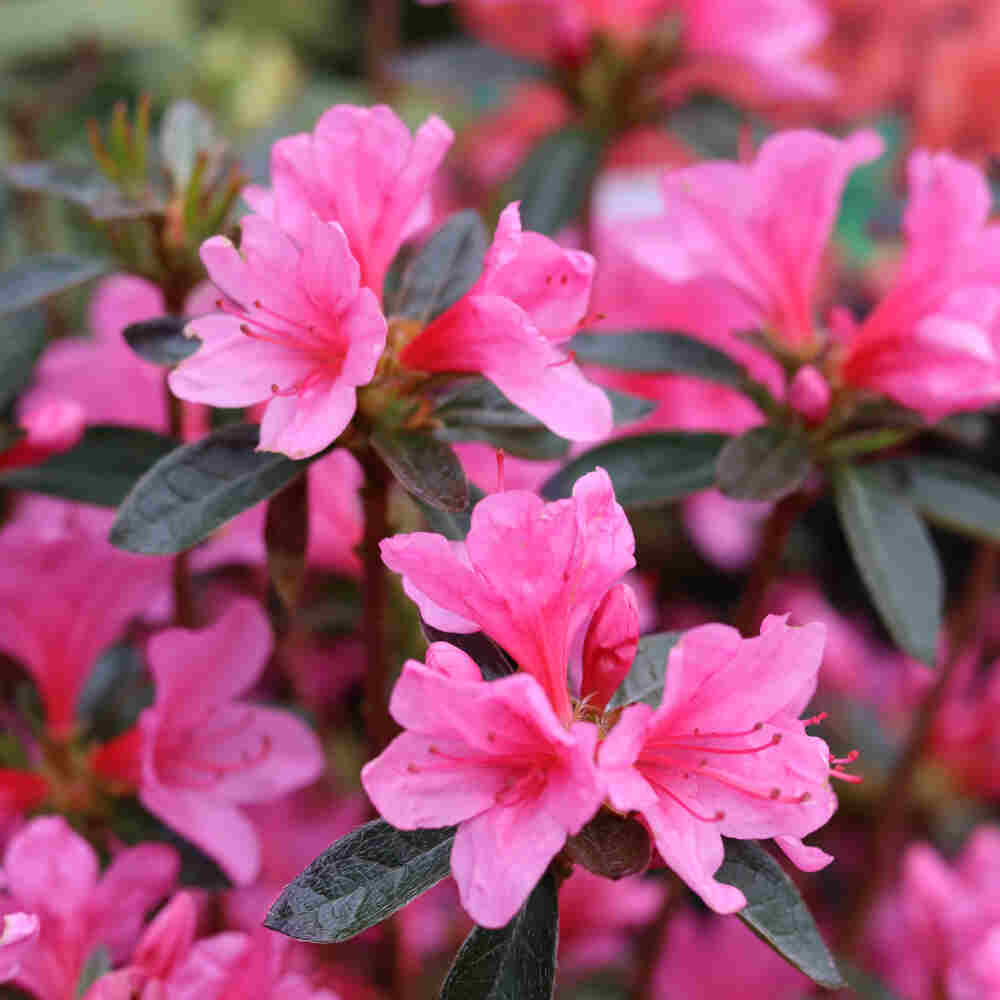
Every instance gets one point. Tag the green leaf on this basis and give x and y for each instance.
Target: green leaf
(958, 496)
(865, 442)
(492, 661)
(765, 463)
(775, 911)
(100, 468)
(85, 186)
(22, 340)
(195, 489)
(644, 681)
(479, 411)
(97, 964)
(646, 468)
(424, 466)
(185, 131)
(658, 353)
(894, 554)
(626, 408)
(864, 985)
(445, 269)
(360, 880)
(161, 341)
(452, 524)
(117, 690)
(554, 182)
(514, 962)
(36, 278)
(134, 824)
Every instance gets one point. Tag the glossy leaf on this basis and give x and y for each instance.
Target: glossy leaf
(776, 912)
(554, 182)
(360, 880)
(22, 340)
(765, 463)
(83, 185)
(161, 341)
(492, 661)
(646, 468)
(514, 962)
(644, 681)
(956, 495)
(626, 408)
(445, 269)
(424, 466)
(894, 555)
(658, 353)
(117, 690)
(100, 468)
(452, 524)
(34, 279)
(195, 489)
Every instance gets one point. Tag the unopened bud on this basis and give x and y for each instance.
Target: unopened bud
(609, 649)
(809, 394)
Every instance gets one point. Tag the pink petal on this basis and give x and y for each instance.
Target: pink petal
(804, 857)
(610, 645)
(227, 269)
(302, 425)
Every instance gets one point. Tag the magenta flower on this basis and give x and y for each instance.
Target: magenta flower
(297, 330)
(204, 753)
(493, 758)
(531, 297)
(18, 934)
(51, 871)
(933, 343)
(725, 754)
(361, 168)
(530, 574)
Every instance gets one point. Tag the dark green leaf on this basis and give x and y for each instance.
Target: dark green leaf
(765, 463)
(864, 985)
(894, 554)
(626, 408)
(360, 880)
(424, 466)
(83, 185)
(958, 496)
(445, 269)
(646, 468)
(659, 353)
(775, 911)
(117, 690)
(97, 964)
(36, 278)
(22, 340)
(554, 182)
(611, 845)
(134, 824)
(197, 488)
(162, 340)
(100, 468)
(453, 525)
(515, 962)
(644, 681)
(865, 442)
(492, 661)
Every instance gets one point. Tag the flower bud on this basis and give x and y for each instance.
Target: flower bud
(610, 646)
(809, 394)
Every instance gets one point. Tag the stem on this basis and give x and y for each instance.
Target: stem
(382, 44)
(767, 565)
(895, 800)
(180, 575)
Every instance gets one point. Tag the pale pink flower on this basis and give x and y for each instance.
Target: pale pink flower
(297, 330)
(530, 574)
(531, 297)
(493, 758)
(53, 872)
(726, 532)
(18, 934)
(933, 342)
(725, 754)
(204, 754)
(937, 933)
(66, 594)
(360, 168)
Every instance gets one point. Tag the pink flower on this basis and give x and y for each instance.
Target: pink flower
(725, 754)
(66, 595)
(203, 753)
(933, 343)
(493, 758)
(298, 330)
(49, 428)
(530, 574)
(531, 296)
(53, 872)
(18, 934)
(360, 168)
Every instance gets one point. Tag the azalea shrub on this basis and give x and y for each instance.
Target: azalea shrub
(497, 500)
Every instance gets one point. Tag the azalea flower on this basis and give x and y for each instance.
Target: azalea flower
(725, 753)
(493, 758)
(530, 574)
(297, 329)
(18, 933)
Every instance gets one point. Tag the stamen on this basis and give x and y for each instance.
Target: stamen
(816, 719)
(569, 359)
(849, 759)
(714, 818)
(755, 793)
(772, 742)
(500, 459)
(755, 728)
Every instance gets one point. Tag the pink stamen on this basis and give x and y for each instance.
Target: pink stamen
(771, 795)
(500, 459)
(816, 719)
(569, 359)
(772, 742)
(755, 728)
(714, 818)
